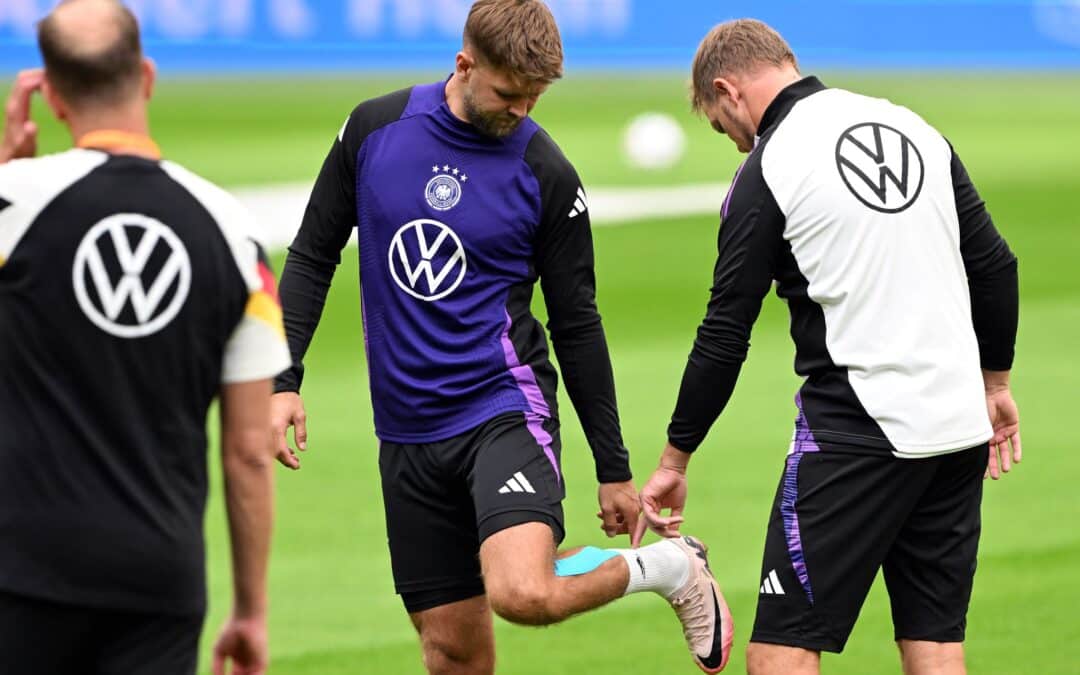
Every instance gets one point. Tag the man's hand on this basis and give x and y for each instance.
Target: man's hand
(665, 489)
(20, 132)
(1005, 419)
(244, 643)
(287, 410)
(619, 508)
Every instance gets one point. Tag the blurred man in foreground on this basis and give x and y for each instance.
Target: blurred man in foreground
(461, 202)
(899, 288)
(130, 297)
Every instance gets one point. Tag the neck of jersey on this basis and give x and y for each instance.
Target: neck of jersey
(119, 142)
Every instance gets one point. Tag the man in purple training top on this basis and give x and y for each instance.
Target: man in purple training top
(461, 202)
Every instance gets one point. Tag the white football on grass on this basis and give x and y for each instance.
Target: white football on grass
(653, 141)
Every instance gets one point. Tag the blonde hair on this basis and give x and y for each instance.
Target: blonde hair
(516, 35)
(738, 46)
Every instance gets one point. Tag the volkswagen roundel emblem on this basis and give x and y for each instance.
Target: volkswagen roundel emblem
(427, 259)
(880, 166)
(131, 275)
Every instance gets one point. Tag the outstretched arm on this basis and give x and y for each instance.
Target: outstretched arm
(564, 261)
(749, 240)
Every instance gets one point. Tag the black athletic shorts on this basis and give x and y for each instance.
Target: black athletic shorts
(444, 499)
(838, 517)
(39, 637)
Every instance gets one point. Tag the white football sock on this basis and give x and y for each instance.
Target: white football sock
(661, 568)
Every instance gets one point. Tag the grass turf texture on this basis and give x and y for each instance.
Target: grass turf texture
(333, 607)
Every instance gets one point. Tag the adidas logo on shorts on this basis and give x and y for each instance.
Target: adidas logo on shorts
(771, 585)
(517, 483)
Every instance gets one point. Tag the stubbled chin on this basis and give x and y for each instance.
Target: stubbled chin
(499, 131)
(507, 129)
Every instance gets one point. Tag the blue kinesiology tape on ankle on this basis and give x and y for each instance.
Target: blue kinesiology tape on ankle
(582, 562)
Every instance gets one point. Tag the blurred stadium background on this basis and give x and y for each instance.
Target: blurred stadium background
(255, 90)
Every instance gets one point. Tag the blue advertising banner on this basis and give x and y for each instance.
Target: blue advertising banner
(253, 35)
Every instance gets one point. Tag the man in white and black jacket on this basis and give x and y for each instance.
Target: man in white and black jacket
(903, 301)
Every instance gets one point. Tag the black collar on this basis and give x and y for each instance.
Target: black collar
(788, 97)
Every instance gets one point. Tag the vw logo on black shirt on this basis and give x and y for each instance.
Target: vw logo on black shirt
(131, 275)
(427, 259)
(880, 165)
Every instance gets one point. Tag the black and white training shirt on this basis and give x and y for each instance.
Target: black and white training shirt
(130, 291)
(898, 284)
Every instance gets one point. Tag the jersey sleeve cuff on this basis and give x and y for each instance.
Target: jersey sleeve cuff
(614, 475)
(287, 381)
(683, 443)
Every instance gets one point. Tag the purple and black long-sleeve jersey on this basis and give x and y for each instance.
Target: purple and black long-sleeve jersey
(454, 230)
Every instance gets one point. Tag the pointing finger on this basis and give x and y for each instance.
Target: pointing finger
(631, 521)
(650, 510)
(665, 521)
(639, 533)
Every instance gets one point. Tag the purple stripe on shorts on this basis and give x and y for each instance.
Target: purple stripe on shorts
(791, 522)
(526, 381)
(535, 424)
(803, 443)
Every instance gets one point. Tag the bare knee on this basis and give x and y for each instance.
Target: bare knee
(450, 657)
(921, 657)
(530, 604)
(519, 575)
(457, 639)
(769, 659)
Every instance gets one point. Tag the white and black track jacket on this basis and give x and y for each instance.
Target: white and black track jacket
(899, 286)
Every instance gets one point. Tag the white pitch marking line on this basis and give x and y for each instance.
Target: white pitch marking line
(278, 209)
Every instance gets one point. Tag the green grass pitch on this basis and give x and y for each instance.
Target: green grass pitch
(333, 606)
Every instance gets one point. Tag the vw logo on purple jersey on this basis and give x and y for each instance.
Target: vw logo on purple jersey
(427, 259)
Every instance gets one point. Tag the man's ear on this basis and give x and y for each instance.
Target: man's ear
(52, 99)
(149, 78)
(725, 88)
(464, 63)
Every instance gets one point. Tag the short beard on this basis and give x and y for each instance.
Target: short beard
(495, 125)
